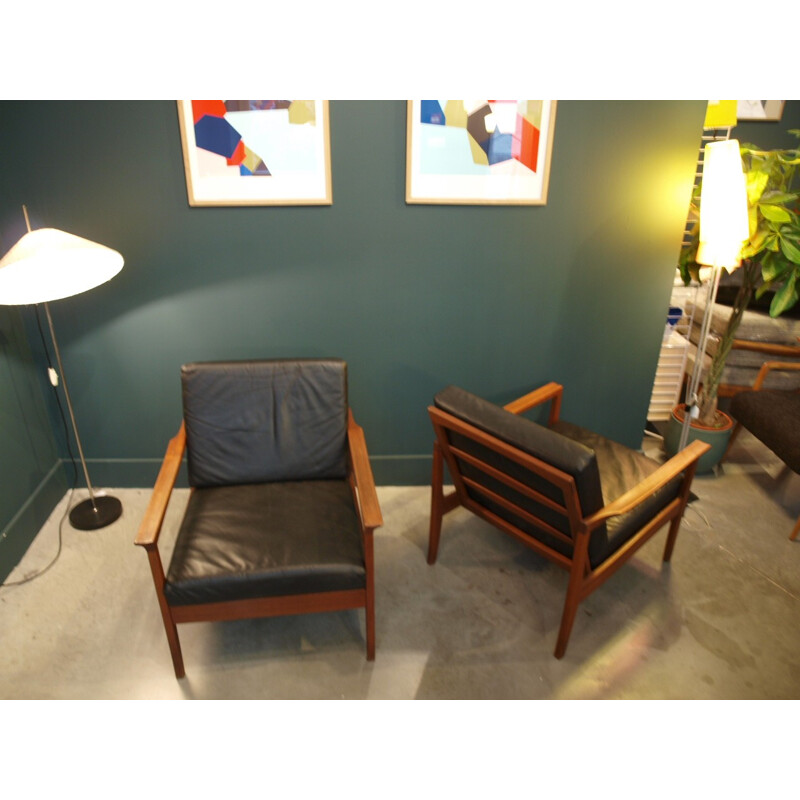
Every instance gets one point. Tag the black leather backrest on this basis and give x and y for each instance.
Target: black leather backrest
(260, 421)
(556, 450)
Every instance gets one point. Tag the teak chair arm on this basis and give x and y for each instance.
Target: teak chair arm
(367, 497)
(770, 365)
(549, 392)
(768, 348)
(153, 518)
(680, 462)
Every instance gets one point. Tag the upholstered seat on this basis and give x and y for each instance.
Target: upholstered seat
(580, 499)
(283, 506)
(772, 416)
(263, 540)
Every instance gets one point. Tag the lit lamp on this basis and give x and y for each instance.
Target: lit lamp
(724, 228)
(49, 264)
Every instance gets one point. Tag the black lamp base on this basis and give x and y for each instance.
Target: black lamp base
(88, 517)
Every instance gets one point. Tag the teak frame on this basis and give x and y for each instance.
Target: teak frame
(583, 579)
(368, 510)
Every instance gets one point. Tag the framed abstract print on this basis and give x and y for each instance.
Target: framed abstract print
(256, 152)
(479, 152)
(759, 110)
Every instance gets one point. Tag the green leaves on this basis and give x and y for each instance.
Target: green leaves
(785, 297)
(774, 213)
(790, 249)
(778, 198)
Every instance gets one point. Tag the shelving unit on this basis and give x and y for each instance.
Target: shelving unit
(671, 360)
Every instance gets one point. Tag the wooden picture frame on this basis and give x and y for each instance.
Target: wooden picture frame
(479, 152)
(759, 110)
(256, 152)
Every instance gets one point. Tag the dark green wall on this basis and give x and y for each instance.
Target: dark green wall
(496, 299)
(771, 135)
(31, 474)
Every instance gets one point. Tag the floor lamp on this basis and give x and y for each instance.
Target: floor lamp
(724, 228)
(48, 264)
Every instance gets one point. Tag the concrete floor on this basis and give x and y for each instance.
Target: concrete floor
(719, 623)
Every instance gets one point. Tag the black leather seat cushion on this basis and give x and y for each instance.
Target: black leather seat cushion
(603, 470)
(265, 540)
(621, 469)
(773, 417)
(260, 421)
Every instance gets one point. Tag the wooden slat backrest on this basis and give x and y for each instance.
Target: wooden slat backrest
(568, 507)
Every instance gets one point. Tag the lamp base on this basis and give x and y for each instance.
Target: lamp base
(88, 517)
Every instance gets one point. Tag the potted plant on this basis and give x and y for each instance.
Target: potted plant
(770, 263)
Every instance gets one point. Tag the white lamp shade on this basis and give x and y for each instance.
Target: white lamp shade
(48, 264)
(724, 226)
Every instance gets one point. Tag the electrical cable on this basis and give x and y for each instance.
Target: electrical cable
(51, 371)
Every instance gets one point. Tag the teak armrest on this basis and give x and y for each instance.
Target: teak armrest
(371, 516)
(768, 348)
(770, 365)
(652, 483)
(153, 518)
(549, 392)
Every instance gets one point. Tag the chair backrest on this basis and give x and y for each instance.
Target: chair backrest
(260, 421)
(542, 484)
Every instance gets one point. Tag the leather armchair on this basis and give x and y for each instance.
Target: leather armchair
(773, 417)
(577, 498)
(283, 505)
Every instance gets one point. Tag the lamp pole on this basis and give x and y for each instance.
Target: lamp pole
(99, 510)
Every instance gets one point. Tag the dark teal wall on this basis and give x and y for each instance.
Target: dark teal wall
(771, 135)
(31, 474)
(496, 299)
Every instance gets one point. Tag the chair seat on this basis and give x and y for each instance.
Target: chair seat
(266, 540)
(771, 416)
(621, 469)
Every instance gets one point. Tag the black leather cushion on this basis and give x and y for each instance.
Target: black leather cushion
(603, 471)
(266, 540)
(774, 418)
(258, 421)
(621, 469)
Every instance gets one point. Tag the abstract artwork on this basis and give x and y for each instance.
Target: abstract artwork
(759, 110)
(492, 152)
(256, 152)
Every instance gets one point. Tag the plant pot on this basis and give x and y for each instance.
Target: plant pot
(717, 437)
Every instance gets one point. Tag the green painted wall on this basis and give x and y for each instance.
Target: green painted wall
(496, 299)
(31, 474)
(771, 135)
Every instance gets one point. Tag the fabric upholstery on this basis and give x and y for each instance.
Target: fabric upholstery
(258, 421)
(603, 470)
(249, 541)
(773, 417)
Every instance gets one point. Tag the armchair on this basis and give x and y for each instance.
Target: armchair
(283, 505)
(581, 500)
(772, 416)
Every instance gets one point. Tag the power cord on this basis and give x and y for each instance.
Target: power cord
(54, 381)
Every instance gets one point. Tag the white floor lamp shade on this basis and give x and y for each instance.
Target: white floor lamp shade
(48, 264)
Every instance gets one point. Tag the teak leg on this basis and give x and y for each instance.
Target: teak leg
(437, 502)
(796, 530)
(672, 536)
(369, 609)
(573, 599)
(169, 624)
